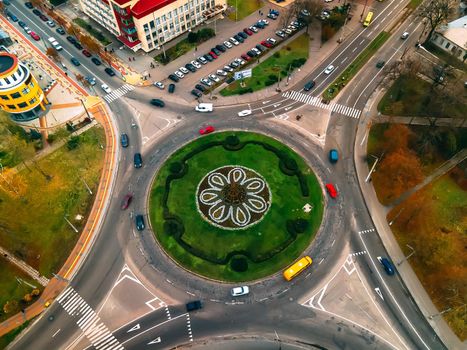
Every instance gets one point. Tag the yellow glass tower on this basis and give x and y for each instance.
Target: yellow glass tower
(20, 93)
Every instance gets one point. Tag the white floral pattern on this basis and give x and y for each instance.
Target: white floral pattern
(250, 197)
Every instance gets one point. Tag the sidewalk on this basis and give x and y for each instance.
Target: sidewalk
(378, 215)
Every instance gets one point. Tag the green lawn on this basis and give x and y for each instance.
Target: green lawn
(244, 8)
(9, 337)
(32, 221)
(258, 239)
(409, 96)
(277, 66)
(347, 75)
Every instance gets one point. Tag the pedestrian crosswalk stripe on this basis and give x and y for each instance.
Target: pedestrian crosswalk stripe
(89, 322)
(316, 101)
(119, 92)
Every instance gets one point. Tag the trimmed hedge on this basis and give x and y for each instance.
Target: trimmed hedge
(239, 264)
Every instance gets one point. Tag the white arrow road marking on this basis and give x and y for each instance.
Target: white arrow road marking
(155, 341)
(134, 328)
(264, 102)
(276, 105)
(287, 108)
(379, 258)
(379, 292)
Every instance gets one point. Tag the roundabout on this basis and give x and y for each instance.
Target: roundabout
(235, 206)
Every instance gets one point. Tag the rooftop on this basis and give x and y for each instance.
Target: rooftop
(145, 7)
(7, 62)
(456, 31)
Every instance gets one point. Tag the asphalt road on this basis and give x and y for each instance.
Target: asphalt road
(272, 306)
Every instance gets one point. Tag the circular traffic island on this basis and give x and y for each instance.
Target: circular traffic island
(235, 206)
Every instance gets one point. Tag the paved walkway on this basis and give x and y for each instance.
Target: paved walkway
(378, 214)
(453, 122)
(24, 266)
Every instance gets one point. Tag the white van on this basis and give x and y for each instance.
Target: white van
(55, 43)
(204, 107)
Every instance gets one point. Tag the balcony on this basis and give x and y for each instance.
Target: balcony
(213, 11)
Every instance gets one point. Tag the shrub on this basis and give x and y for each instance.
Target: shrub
(239, 264)
(73, 142)
(232, 143)
(173, 227)
(272, 77)
(277, 54)
(192, 37)
(270, 82)
(300, 225)
(291, 164)
(176, 167)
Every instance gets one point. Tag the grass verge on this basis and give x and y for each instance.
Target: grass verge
(278, 66)
(93, 31)
(32, 216)
(9, 337)
(258, 240)
(346, 76)
(243, 8)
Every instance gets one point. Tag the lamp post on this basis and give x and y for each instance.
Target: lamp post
(278, 339)
(408, 256)
(363, 11)
(372, 168)
(236, 10)
(84, 106)
(440, 313)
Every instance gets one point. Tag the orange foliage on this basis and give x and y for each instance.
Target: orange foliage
(396, 136)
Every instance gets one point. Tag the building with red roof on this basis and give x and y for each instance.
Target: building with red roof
(148, 24)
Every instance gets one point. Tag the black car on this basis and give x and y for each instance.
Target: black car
(158, 103)
(196, 93)
(221, 48)
(110, 71)
(251, 54)
(37, 12)
(43, 17)
(260, 48)
(174, 78)
(96, 61)
(75, 61)
(190, 67)
(193, 305)
(216, 51)
(200, 87)
(243, 35)
(22, 24)
(124, 140)
(71, 39)
(209, 58)
(29, 5)
(78, 45)
(308, 86)
(139, 221)
(171, 88)
(138, 160)
(60, 31)
(239, 38)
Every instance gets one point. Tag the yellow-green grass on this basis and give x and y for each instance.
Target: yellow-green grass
(276, 66)
(259, 239)
(433, 222)
(244, 8)
(33, 225)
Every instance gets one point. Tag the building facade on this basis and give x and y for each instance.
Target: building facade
(453, 38)
(148, 24)
(20, 93)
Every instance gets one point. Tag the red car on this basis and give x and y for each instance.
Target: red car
(86, 53)
(207, 130)
(213, 55)
(265, 43)
(126, 201)
(331, 190)
(35, 36)
(246, 57)
(248, 31)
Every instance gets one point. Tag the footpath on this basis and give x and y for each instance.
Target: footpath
(378, 214)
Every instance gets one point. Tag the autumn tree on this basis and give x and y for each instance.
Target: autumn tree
(90, 43)
(52, 52)
(73, 30)
(38, 3)
(80, 78)
(436, 13)
(396, 137)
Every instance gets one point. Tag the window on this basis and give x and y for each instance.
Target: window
(447, 45)
(31, 85)
(150, 46)
(16, 95)
(158, 21)
(22, 105)
(7, 80)
(32, 101)
(148, 37)
(4, 97)
(152, 24)
(146, 28)
(11, 106)
(25, 91)
(164, 18)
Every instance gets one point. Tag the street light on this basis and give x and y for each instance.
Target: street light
(408, 256)
(372, 168)
(440, 313)
(278, 339)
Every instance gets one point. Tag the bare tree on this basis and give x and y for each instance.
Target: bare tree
(304, 10)
(436, 12)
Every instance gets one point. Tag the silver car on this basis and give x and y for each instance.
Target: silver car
(206, 82)
(196, 64)
(227, 44)
(179, 74)
(214, 78)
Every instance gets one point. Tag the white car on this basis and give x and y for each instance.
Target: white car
(264, 21)
(202, 60)
(159, 85)
(244, 113)
(204, 107)
(196, 64)
(256, 50)
(253, 29)
(221, 73)
(271, 41)
(27, 30)
(240, 61)
(51, 24)
(287, 30)
(214, 78)
(206, 81)
(329, 69)
(405, 35)
(233, 41)
(228, 69)
(179, 74)
(106, 88)
(238, 291)
(183, 70)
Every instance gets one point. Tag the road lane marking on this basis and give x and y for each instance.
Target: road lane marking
(188, 326)
(155, 341)
(379, 292)
(134, 328)
(56, 333)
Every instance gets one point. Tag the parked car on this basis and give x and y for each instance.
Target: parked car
(280, 33)
(71, 39)
(126, 201)
(22, 24)
(109, 71)
(106, 88)
(221, 48)
(213, 55)
(266, 44)
(271, 41)
(157, 102)
(29, 5)
(329, 69)
(96, 61)
(331, 190)
(405, 35)
(159, 85)
(60, 31)
(380, 64)
(183, 70)
(239, 38)
(308, 86)
(234, 64)
(27, 30)
(43, 18)
(196, 93)
(253, 29)
(214, 78)
(216, 51)
(234, 41)
(75, 61)
(179, 74)
(245, 57)
(239, 291)
(272, 16)
(258, 52)
(206, 82)
(36, 12)
(242, 34)
(202, 60)
(190, 67)
(260, 25)
(139, 221)
(228, 69)
(35, 36)
(200, 87)
(193, 305)
(51, 24)
(260, 48)
(171, 88)
(208, 58)
(248, 31)
(86, 53)
(251, 54)
(195, 64)
(221, 73)
(138, 160)
(78, 45)
(124, 140)
(207, 130)
(228, 44)
(174, 78)
(91, 80)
